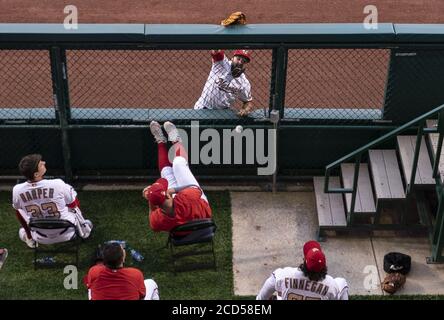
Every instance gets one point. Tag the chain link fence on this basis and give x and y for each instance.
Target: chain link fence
(25, 85)
(126, 86)
(26, 98)
(336, 84)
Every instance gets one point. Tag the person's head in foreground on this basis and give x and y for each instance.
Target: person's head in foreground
(315, 264)
(32, 167)
(113, 255)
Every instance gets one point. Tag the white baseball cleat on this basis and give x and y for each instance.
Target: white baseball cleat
(29, 242)
(157, 132)
(173, 134)
(87, 228)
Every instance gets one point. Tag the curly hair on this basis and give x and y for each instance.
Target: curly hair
(313, 276)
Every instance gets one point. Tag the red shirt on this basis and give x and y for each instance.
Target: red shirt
(115, 284)
(188, 205)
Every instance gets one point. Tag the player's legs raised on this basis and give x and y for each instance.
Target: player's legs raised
(181, 169)
(164, 164)
(182, 172)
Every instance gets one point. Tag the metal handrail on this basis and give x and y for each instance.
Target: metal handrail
(357, 154)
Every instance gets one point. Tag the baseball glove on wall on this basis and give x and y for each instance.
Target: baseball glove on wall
(392, 282)
(234, 18)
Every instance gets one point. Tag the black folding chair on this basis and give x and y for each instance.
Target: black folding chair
(70, 247)
(195, 232)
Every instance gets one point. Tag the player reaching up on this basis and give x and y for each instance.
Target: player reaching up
(227, 82)
(176, 197)
(309, 281)
(46, 198)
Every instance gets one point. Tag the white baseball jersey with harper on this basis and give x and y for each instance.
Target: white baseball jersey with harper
(45, 199)
(222, 89)
(291, 284)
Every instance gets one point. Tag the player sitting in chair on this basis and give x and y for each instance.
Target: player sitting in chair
(46, 198)
(176, 197)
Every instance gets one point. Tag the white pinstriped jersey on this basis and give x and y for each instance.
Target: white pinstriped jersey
(291, 284)
(221, 89)
(45, 198)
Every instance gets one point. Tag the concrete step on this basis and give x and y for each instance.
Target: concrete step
(365, 201)
(329, 206)
(386, 175)
(406, 146)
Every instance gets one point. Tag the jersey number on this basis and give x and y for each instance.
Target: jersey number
(48, 209)
(294, 296)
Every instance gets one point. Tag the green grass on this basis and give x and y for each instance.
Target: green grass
(120, 215)
(123, 215)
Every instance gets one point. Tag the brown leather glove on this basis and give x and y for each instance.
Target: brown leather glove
(246, 109)
(392, 282)
(234, 18)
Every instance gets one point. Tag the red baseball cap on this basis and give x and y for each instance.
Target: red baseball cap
(157, 192)
(243, 53)
(314, 257)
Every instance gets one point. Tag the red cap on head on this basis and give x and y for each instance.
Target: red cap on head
(310, 245)
(157, 192)
(314, 257)
(243, 53)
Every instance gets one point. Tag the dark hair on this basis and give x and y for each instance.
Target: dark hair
(112, 255)
(29, 165)
(313, 276)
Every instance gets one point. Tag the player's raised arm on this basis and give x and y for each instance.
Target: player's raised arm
(217, 55)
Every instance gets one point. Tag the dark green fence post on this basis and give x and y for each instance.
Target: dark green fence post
(419, 137)
(351, 215)
(280, 79)
(440, 127)
(61, 102)
(277, 97)
(272, 103)
(65, 91)
(438, 233)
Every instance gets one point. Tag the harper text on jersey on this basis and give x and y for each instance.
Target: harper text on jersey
(39, 193)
